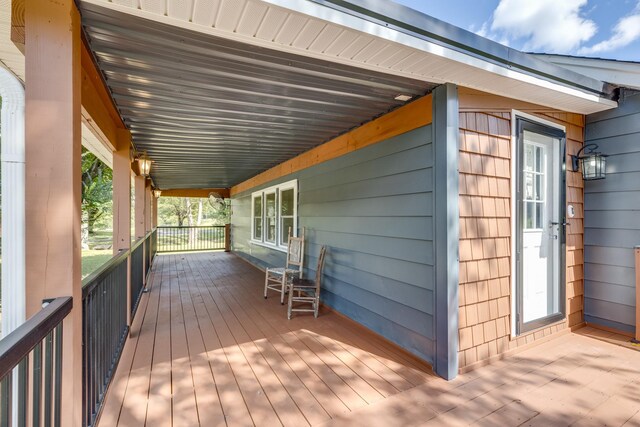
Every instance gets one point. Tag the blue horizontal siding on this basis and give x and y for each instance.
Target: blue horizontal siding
(373, 208)
(612, 209)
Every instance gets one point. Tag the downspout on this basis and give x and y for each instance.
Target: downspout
(12, 157)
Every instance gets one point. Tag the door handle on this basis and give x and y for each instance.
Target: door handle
(564, 224)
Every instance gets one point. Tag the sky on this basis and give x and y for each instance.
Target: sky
(596, 28)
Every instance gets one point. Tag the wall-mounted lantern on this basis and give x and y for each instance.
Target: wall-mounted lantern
(157, 193)
(592, 163)
(144, 165)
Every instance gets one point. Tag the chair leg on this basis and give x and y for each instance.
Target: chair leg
(316, 306)
(266, 283)
(290, 304)
(283, 288)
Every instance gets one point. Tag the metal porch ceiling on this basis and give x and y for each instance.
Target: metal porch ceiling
(213, 112)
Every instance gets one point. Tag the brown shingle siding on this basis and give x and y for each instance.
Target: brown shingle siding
(485, 234)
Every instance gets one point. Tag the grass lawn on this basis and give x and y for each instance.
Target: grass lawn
(93, 259)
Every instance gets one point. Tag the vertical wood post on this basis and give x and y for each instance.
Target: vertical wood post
(53, 178)
(227, 237)
(637, 256)
(154, 217)
(122, 193)
(148, 205)
(139, 195)
(122, 205)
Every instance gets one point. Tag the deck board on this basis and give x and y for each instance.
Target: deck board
(206, 349)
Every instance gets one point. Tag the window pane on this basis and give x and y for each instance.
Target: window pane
(539, 188)
(539, 215)
(257, 219)
(528, 157)
(284, 229)
(257, 229)
(539, 158)
(528, 216)
(270, 204)
(286, 202)
(528, 186)
(271, 230)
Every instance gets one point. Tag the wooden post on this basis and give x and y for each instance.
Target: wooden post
(154, 216)
(122, 193)
(53, 178)
(227, 237)
(139, 195)
(148, 205)
(637, 253)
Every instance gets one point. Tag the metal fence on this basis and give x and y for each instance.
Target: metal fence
(31, 368)
(137, 273)
(188, 239)
(104, 322)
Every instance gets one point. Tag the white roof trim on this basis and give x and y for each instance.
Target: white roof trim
(392, 51)
(619, 73)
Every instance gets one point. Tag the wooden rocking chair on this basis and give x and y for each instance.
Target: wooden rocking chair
(308, 291)
(278, 279)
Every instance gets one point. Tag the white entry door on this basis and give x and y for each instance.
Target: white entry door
(540, 226)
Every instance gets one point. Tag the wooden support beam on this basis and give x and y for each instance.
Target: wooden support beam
(148, 203)
(195, 192)
(53, 177)
(139, 200)
(122, 194)
(98, 109)
(637, 256)
(406, 118)
(154, 216)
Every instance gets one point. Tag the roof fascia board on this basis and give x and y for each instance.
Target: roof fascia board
(418, 24)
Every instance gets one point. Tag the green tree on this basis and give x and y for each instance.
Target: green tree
(97, 187)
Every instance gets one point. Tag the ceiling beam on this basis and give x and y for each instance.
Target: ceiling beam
(195, 192)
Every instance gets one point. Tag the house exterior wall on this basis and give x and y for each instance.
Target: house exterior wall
(612, 228)
(485, 228)
(373, 208)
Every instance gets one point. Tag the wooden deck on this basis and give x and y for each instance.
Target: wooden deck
(208, 350)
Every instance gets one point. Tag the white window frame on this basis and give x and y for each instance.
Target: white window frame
(280, 243)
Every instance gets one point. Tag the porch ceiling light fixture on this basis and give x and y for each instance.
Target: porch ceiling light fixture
(592, 163)
(157, 193)
(144, 165)
(403, 98)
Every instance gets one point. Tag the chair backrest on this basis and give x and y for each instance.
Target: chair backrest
(295, 251)
(323, 251)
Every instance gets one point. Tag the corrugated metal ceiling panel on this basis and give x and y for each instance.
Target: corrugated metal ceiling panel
(212, 112)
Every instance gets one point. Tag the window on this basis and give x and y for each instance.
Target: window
(273, 212)
(534, 186)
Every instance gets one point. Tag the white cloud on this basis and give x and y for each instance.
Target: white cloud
(626, 31)
(548, 25)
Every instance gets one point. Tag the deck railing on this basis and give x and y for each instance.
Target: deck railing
(108, 307)
(104, 321)
(189, 239)
(137, 273)
(31, 368)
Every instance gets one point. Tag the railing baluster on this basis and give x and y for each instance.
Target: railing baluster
(37, 385)
(48, 369)
(5, 400)
(57, 414)
(23, 379)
